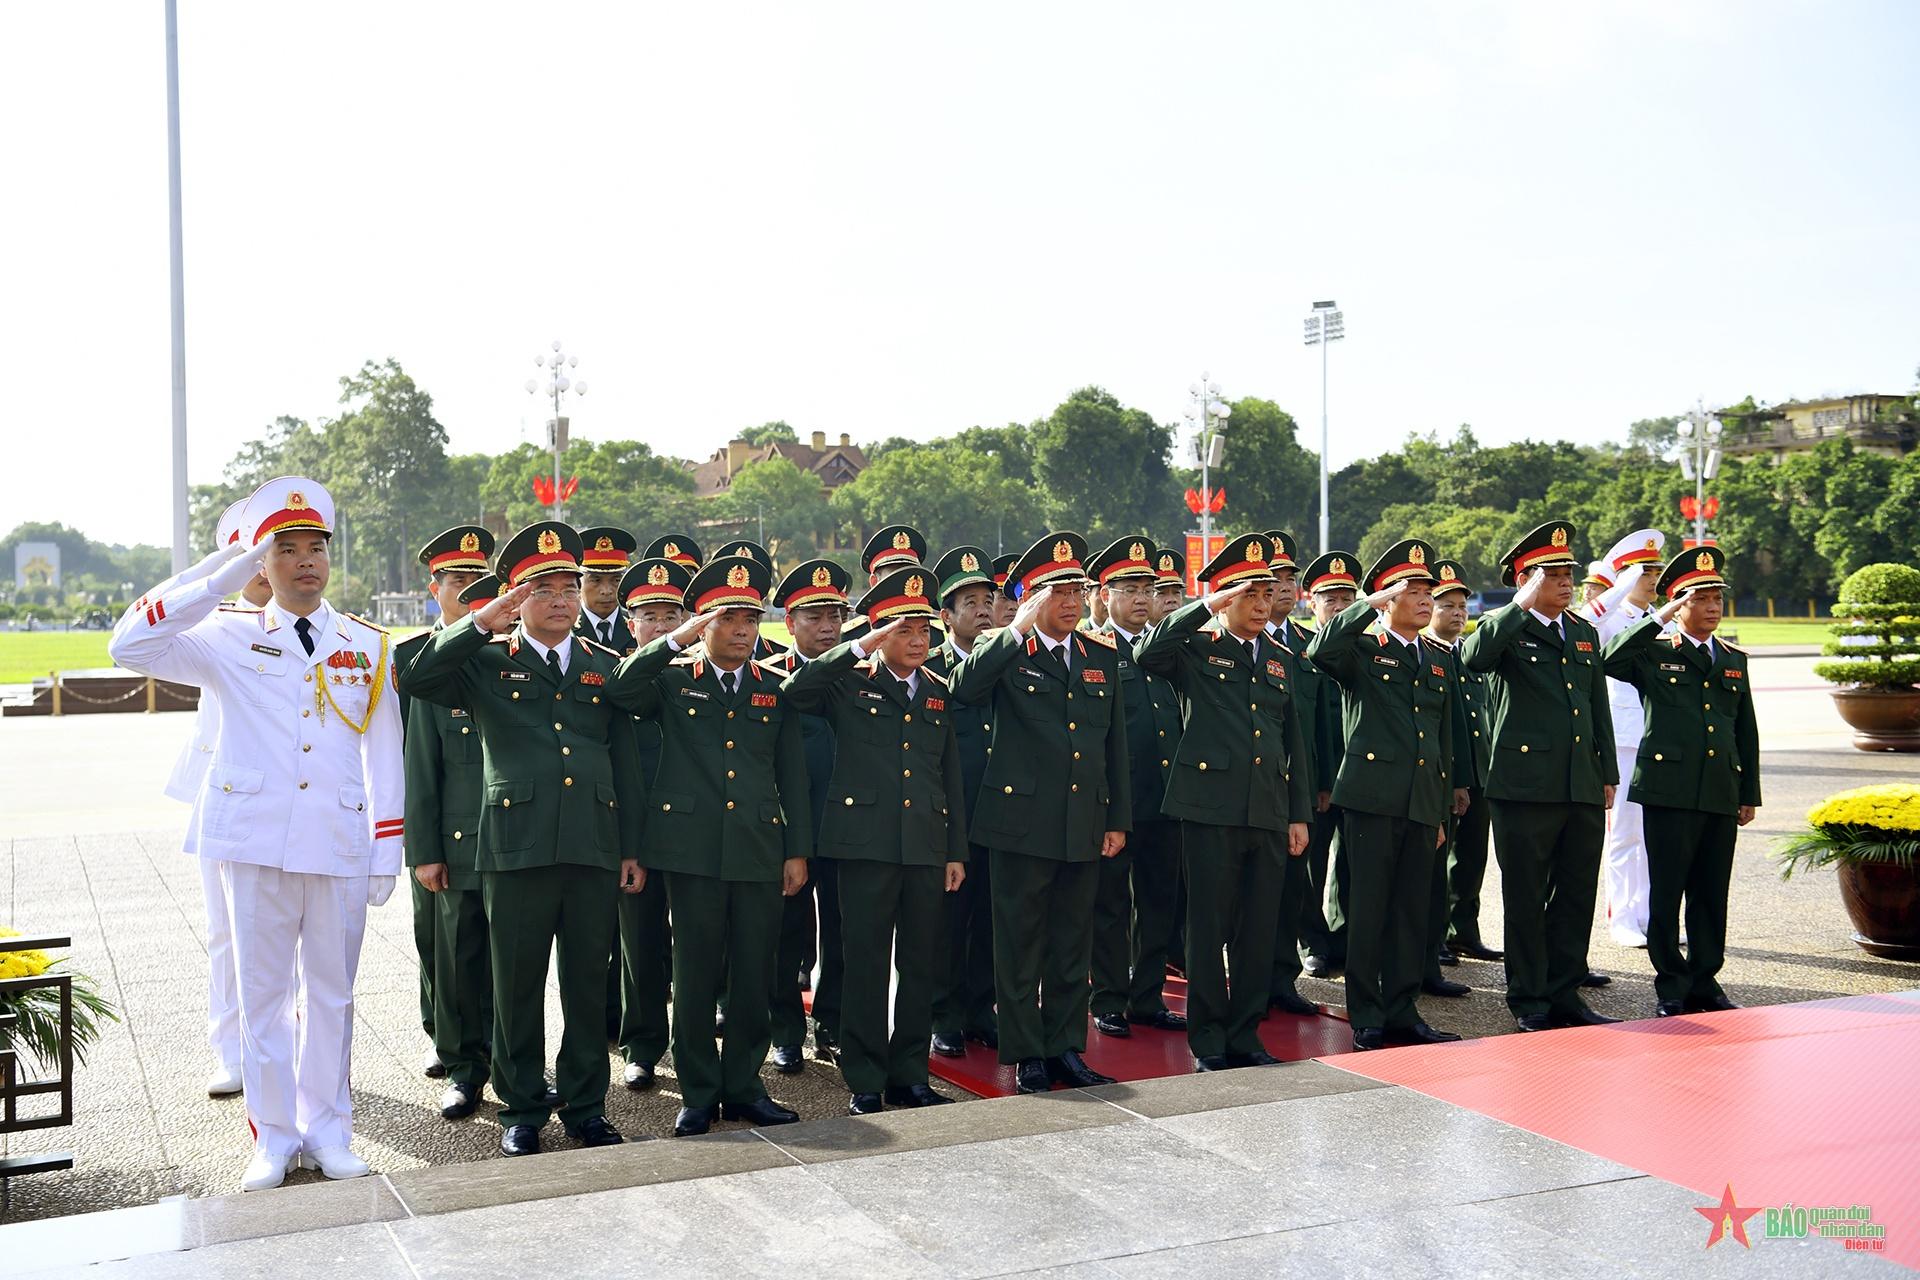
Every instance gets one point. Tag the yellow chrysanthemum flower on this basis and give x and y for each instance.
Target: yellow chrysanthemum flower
(1892, 806)
(21, 964)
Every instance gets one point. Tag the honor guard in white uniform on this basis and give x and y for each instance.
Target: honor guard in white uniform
(301, 806)
(189, 773)
(1629, 569)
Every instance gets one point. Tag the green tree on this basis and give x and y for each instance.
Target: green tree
(768, 432)
(1104, 468)
(776, 499)
(951, 493)
(623, 483)
(1475, 536)
(1271, 482)
(385, 460)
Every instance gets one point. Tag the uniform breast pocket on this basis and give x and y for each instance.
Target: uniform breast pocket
(515, 699)
(1033, 698)
(262, 680)
(351, 837)
(458, 741)
(509, 816)
(1099, 708)
(849, 816)
(1203, 781)
(232, 795)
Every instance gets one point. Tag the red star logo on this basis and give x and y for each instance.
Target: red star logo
(1727, 1217)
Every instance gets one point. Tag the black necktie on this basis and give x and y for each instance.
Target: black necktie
(305, 630)
(727, 681)
(553, 664)
(606, 634)
(1253, 652)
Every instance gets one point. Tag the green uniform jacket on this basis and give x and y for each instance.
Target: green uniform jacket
(1056, 778)
(559, 765)
(623, 643)
(1242, 759)
(971, 727)
(1153, 728)
(1318, 701)
(816, 736)
(1471, 750)
(729, 799)
(1701, 748)
(445, 782)
(896, 789)
(1552, 731)
(1399, 719)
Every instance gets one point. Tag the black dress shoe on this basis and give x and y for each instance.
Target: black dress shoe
(1031, 1076)
(1474, 949)
(1533, 1022)
(1292, 1002)
(637, 1076)
(864, 1104)
(1258, 1058)
(806, 979)
(1444, 954)
(719, 1023)
(550, 1098)
(1112, 1024)
(1580, 1017)
(823, 1043)
(987, 1036)
(1420, 1033)
(1213, 1062)
(786, 1059)
(1164, 1019)
(1595, 978)
(1318, 967)
(1070, 1070)
(692, 1121)
(459, 1101)
(1365, 1038)
(1669, 1009)
(920, 1095)
(948, 1045)
(1444, 987)
(1711, 1004)
(760, 1113)
(520, 1140)
(596, 1132)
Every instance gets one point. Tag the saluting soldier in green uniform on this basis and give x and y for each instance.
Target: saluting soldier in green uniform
(1169, 593)
(1313, 698)
(1466, 861)
(1552, 777)
(1470, 755)
(1004, 605)
(1393, 788)
(895, 825)
(1054, 801)
(1697, 774)
(1133, 910)
(963, 976)
(1332, 584)
(1243, 785)
(559, 828)
(728, 825)
(814, 596)
(606, 553)
(454, 560)
(763, 648)
(444, 799)
(652, 592)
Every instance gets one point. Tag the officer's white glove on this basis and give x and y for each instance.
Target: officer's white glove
(243, 565)
(379, 889)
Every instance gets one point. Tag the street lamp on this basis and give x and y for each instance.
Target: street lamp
(1699, 434)
(556, 383)
(1325, 326)
(1207, 414)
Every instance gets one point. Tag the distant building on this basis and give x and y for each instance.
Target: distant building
(835, 465)
(1880, 424)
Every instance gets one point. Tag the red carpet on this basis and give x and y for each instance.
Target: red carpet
(1148, 1053)
(1810, 1104)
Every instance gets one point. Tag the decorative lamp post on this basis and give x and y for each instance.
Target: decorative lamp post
(556, 383)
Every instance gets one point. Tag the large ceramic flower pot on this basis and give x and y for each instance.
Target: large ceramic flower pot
(1882, 719)
(1883, 901)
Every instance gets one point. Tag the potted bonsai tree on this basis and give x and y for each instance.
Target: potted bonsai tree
(1874, 657)
(1871, 837)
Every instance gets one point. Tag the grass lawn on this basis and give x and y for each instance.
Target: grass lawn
(1762, 631)
(25, 655)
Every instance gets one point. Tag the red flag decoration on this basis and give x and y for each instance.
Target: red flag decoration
(570, 488)
(543, 490)
(1713, 508)
(1688, 506)
(1193, 501)
(1219, 502)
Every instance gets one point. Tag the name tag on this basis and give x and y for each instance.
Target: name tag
(1385, 661)
(1031, 674)
(1219, 662)
(592, 677)
(1584, 646)
(936, 704)
(873, 694)
(1529, 644)
(267, 649)
(516, 675)
(455, 711)
(1673, 666)
(701, 694)
(763, 700)
(1093, 675)
(1124, 664)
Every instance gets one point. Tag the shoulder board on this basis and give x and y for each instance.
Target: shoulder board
(1728, 644)
(500, 637)
(1103, 637)
(594, 646)
(240, 608)
(934, 676)
(371, 626)
(684, 659)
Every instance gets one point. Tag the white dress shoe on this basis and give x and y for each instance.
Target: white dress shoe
(335, 1162)
(1627, 936)
(225, 1081)
(265, 1171)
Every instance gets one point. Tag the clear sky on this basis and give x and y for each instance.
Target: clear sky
(1542, 219)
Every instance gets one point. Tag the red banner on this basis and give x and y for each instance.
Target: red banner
(1199, 557)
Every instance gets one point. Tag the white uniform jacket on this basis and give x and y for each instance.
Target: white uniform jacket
(291, 783)
(1610, 615)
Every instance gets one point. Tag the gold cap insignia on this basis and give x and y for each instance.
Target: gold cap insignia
(1256, 553)
(902, 541)
(657, 576)
(1062, 551)
(1446, 573)
(296, 500)
(916, 586)
(469, 542)
(1559, 537)
(1166, 564)
(670, 550)
(548, 542)
(603, 543)
(1704, 562)
(1653, 544)
(741, 551)
(1336, 565)
(1416, 554)
(823, 577)
(737, 576)
(1136, 551)
(969, 562)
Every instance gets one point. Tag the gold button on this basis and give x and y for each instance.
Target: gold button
(308, 678)
(1709, 751)
(515, 695)
(1673, 679)
(558, 726)
(729, 715)
(466, 729)
(1163, 732)
(506, 804)
(848, 801)
(1709, 728)
(1576, 711)
(1523, 748)
(596, 699)
(689, 710)
(1369, 755)
(1385, 676)
(666, 808)
(1419, 763)
(566, 751)
(730, 773)
(1071, 725)
(1569, 684)
(1074, 787)
(1576, 737)
(1009, 790)
(1163, 764)
(905, 746)
(906, 804)
(303, 786)
(456, 835)
(308, 746)
(1069, 695)
(567, 781)
(228, 787)
(556, 697)
(984, 726)
(260, 666)
(1476, 733)
(729, 804)
(1076, 755)
(1223, 677)
(1203, 766)
(1256, 733)
(1256, 759)
(1707, 705)
(907, 718)
(1423, 733)
(1029, 688)
(906, 773)
(729, 744)
(1658, 756)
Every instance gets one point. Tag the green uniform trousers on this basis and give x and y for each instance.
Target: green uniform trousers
(563, 909)
(1467, 869)
(1133, 921)
(890, 918)
(424, 918)
(463, 986)
(1234, 877)
(1690, 857)
(1434, 918)
(1295, 889)
(1323, 916)
(1042, 951)
(963, 999)
(812, 913)
(724, 931)
(1549, 872)
(1391, 862)
(646, 973)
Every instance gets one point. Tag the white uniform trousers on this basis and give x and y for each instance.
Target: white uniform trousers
(1623, 859)
(223, 976)
(296, 934)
